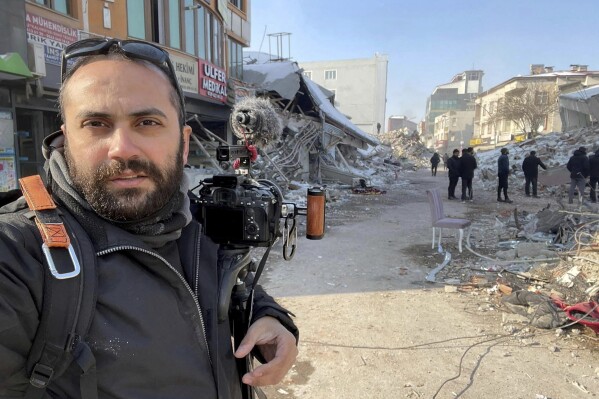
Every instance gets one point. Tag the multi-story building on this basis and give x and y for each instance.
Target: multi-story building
(454, 129)
(539, 90)
(204, 38)
(359, 86)
(457, 95)
(401, 122)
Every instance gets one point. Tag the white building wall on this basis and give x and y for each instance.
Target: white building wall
(360, 87)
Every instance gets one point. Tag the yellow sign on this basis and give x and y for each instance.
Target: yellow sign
(476, 141)
(519, 137)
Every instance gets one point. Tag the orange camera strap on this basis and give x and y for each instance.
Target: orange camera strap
(49, 223)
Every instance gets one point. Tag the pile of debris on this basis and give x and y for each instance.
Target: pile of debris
(554, 149)
(407, 148)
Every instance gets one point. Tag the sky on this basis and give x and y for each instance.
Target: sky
(430, 41)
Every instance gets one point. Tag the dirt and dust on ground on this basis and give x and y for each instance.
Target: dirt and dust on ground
(372, 326)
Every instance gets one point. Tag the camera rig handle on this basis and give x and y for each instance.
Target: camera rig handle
(233, 265)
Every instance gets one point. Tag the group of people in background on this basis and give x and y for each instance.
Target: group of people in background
(580, 167)
(461, 167)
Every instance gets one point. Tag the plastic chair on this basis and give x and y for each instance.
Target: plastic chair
(439, 221)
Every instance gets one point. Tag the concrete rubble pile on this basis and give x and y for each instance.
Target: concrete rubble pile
(554, 149)
(543, 263)
(407, 148)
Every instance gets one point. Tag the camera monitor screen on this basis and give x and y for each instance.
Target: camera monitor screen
(224, 224)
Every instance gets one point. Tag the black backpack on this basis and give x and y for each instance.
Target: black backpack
(69, 296)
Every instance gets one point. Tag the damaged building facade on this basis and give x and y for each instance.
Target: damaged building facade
(317, 142)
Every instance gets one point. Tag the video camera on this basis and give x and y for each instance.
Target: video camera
(237, 210)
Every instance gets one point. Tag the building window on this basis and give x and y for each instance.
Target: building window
(188, 20)
(201, 33)
(62, 6)
(136, 22)
(174, 22)
(235, 59)
(330, 74)
(238, 4)
(541, 97)
(308, 74)
(472, 76)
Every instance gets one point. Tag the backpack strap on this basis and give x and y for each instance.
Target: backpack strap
(69, 297)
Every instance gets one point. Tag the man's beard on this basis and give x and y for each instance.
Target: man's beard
(127, 204)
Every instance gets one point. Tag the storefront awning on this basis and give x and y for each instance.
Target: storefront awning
(12, 67)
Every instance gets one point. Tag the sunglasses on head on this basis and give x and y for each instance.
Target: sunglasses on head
(133, 49)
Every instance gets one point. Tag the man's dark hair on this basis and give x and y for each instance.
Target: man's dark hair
(533, 153)
(117, 53)
(456, 151)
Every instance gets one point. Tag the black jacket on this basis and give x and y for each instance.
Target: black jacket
(578, 165)
(594, 165)
(154, 333)
(503, 165)
(435, 159)
(467, 166)
(530, 166)
(453, 164)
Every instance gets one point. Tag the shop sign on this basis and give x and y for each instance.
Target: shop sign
(519, 137)
(52, 35)
(213, 81)
(186, 70)
(504, 137)
(476, 141)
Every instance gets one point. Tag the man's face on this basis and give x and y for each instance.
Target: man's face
(124, 147)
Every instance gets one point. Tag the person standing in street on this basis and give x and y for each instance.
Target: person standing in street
(503, 171)
(594, 175)
(453, 165)
(445, 158)
(435, 159)
(530, 167)
(578, 166)
(467, 166)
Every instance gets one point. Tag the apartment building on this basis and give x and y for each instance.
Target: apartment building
(457, 95)
(359, 87)
(204, 38)
(540, 89)
(452, 130)
(401, 122)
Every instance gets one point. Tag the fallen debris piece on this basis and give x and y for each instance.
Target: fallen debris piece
(540, 310)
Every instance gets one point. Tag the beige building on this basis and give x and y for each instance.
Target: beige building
(452, 130)
(492, 129)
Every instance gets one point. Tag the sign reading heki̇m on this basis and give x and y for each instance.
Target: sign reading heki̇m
(213, 81)
(187, 73)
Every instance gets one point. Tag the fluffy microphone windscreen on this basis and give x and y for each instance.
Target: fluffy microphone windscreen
(255, 119)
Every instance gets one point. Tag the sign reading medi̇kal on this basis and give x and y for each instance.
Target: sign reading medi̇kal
(52, 35)
(186, 70)
(213, 81)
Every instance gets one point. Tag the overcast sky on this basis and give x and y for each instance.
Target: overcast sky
(429, 41)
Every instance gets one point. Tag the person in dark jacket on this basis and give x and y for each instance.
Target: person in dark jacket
(503, 171)
(530, 167)
(453, 165)
(578, 166)
(445, 158)
(435, 159)
(115, 169)
(594, 175)
(467, 166)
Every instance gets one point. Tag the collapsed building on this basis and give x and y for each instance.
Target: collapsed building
(317, 143)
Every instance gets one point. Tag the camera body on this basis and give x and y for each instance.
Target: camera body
(237, 210)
